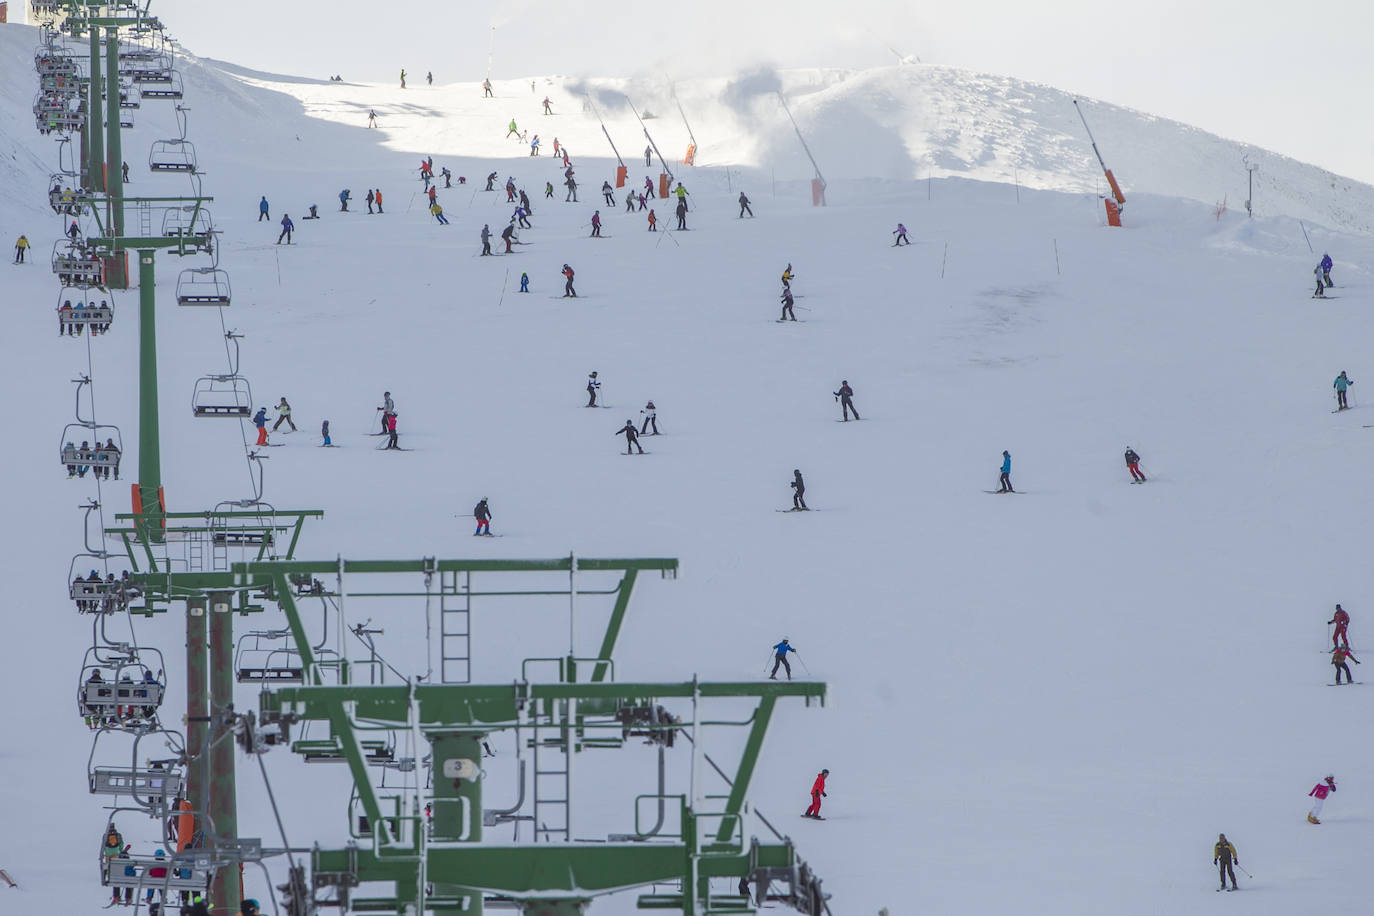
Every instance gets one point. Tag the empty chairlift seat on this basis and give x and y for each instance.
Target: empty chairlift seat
(203, 286)
(163, 84)
(150, 785)
(222, 396)
(172, 156)
(185, 222)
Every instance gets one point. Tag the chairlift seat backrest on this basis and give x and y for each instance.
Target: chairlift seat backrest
(106, 696)
(174, 873)
(153, 785)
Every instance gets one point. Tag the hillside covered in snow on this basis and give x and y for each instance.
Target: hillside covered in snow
(1046, 705)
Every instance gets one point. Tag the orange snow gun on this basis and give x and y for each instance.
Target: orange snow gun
(1117, 201)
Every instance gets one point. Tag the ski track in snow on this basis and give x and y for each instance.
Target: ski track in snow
(1039, 704)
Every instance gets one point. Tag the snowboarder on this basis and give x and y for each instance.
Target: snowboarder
(592, 386)
(388, 408)
(403, 78)
(650, 413)
(1223, 855)
(568, 286)
(787, 276)
(846, 398)
(900, 232)
(653, 222)
(780, 659)
(1319, 792)
(548, 106)
(21, 245)
(817, 793)
(798, 491)
(744, 206)
(371, 118)
(483, 516)
(343, 200)
(1005, 479)
(438, 212)
(524, 282)
(648, 157)
(596, 224)
(1338, 657)
(608, 192)
(512, 130)
(486, 240)
(631, 436)
(787, 301)
(491, 179)
(264, 210)
(324, 432)
(260, 421)
(1341, 384)
(508, 236)
(1342, 621)
(284, 415)
(486, 90)
(1325, 267)
(1133, 465)
(378, 200)
(391, 431)
(287, 227)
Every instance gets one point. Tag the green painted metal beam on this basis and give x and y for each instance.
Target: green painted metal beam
(622, 601)
(149, 436)
(752, 746)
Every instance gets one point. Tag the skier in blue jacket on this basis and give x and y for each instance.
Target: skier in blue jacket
(1006, 473)
(263, 209)
(1326, 269)
(780, 658)
(260, 421)
(1341, 383)
(343, 200)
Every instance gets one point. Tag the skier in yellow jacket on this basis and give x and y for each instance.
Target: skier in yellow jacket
(1223, 855)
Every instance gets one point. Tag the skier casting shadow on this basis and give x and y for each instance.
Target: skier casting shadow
(631, 437)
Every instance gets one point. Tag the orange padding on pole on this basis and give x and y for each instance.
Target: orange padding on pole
(136, 499)
(1116, 188)
(1113, 212)
(663, 184)
(691, 157)
(186, 825)
(620, 173)
(817, 192)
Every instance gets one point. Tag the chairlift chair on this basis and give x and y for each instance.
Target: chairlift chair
(54, 62)
(94, 595)
(118, 689)
(172, 156)
(99, 457)
(186, 221)
(188, 871)
(154, 785)
(222, 396)
(203, 286)
(77, 266)
(165, 84)
(267, 657)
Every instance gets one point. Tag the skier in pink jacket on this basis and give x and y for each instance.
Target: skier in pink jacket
(1319, 792)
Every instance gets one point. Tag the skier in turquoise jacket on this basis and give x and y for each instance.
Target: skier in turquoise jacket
(1341, 384)
(1006, 473)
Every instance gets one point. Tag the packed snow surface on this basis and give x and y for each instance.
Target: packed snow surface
(1041, 703)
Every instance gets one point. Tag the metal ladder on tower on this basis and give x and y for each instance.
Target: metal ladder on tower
(195, 553)
(145, 219)
(455, 628)
(552, 743)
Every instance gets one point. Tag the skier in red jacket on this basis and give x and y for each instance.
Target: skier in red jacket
(1319, 792)
(1342, 621)
(817, 792)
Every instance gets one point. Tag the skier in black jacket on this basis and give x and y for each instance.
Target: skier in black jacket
(846, 398)
(787, 313)
(1133, 465)
(483, 516)
(631, 436)
(799, 491)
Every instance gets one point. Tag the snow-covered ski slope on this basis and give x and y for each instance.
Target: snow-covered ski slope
(1047, 703)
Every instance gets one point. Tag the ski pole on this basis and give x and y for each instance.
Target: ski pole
(803, 663)
(1247, 874)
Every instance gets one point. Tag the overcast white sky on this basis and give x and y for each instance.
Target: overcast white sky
(1292, 77)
